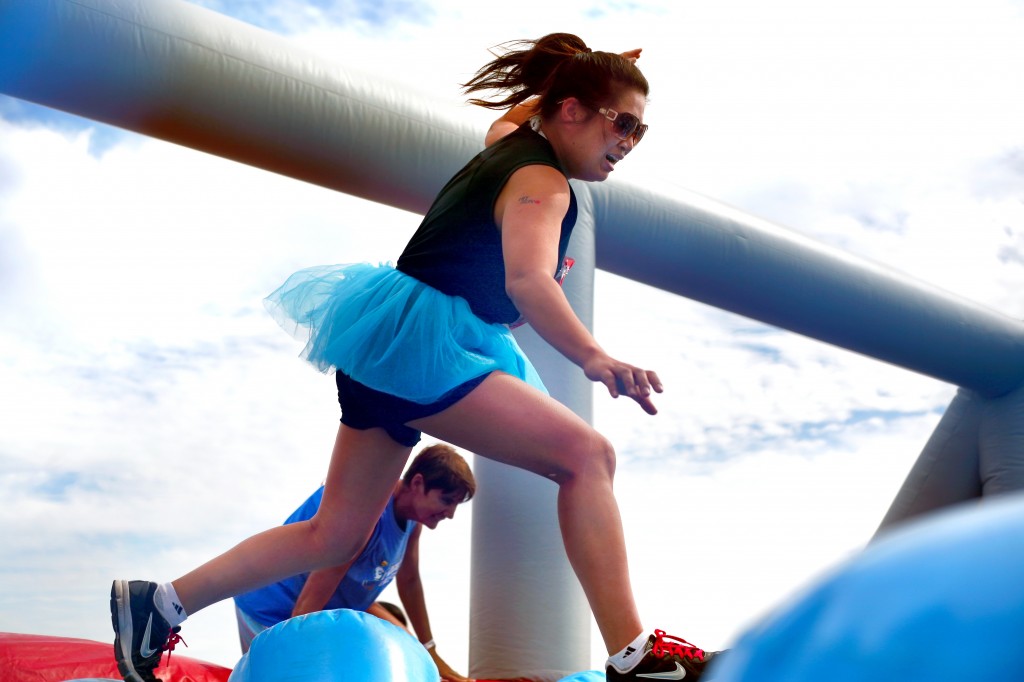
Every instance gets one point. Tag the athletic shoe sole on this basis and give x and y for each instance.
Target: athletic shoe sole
(121, 617)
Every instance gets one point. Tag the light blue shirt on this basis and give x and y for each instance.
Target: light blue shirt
(371, 572)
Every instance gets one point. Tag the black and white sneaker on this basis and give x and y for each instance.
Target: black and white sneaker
(663, 660)
(141, 634)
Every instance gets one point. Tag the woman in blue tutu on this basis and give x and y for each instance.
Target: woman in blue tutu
(425, 346)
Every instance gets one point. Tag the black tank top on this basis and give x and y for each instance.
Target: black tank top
(457, 247)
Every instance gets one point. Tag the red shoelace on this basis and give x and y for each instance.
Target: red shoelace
(172, 641)
(680, 647)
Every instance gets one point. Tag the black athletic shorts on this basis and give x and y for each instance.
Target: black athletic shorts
(364, 408)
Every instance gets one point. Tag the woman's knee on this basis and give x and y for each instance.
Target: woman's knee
(589, 456)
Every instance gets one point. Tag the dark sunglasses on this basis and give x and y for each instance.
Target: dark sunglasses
(624, 124)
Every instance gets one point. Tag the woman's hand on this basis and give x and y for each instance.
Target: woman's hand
(621, 378)
(632, 55)
(511, 120)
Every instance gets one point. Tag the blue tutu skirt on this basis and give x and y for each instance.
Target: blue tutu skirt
(392, 332)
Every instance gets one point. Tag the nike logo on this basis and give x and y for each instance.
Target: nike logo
(677, 674)
(146, 652)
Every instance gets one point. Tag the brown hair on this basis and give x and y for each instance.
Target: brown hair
(555, 67)
(395, 611)
(442, 467)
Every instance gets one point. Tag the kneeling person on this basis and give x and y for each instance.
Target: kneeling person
(435, 483)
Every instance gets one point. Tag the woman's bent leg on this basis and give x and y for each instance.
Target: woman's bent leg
(508, 421)
(364, 468)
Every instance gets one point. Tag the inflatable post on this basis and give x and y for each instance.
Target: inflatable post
(518, 561)
(976, 450)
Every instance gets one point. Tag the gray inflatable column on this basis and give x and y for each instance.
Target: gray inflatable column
(528, 614)
(977, 450)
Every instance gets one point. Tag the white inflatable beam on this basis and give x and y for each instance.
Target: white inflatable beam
(178, 72)
(700, 249)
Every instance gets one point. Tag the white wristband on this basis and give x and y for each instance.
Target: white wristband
(428, 645)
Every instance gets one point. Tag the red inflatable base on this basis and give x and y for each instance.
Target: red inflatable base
(38, 658)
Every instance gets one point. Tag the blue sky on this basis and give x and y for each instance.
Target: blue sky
(153, 415)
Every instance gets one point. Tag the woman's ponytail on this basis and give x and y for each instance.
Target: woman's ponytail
(524, 69)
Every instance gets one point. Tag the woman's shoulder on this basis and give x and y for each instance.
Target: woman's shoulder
(525, 135)
(522, 147)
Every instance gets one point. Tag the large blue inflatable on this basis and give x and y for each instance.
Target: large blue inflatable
(940, 600)
(335, 646)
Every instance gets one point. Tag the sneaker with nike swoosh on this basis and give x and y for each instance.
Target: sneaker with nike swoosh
(141, 634)
(663, 659)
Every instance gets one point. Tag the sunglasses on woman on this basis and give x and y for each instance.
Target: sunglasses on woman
(624, 124)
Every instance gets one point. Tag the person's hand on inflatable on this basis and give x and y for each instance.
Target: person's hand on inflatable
(447, 674)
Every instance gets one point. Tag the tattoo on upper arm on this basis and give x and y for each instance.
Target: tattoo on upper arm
(528, 200)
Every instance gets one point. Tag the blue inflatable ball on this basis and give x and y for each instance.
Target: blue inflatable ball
(941, 599)
(335, 646)
(586, 676)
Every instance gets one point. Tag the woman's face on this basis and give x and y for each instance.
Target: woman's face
(595, 149)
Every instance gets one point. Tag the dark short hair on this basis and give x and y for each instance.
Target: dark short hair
(442, 467)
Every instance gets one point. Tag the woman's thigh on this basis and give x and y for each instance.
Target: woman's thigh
(509, 421)
(364, 467)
